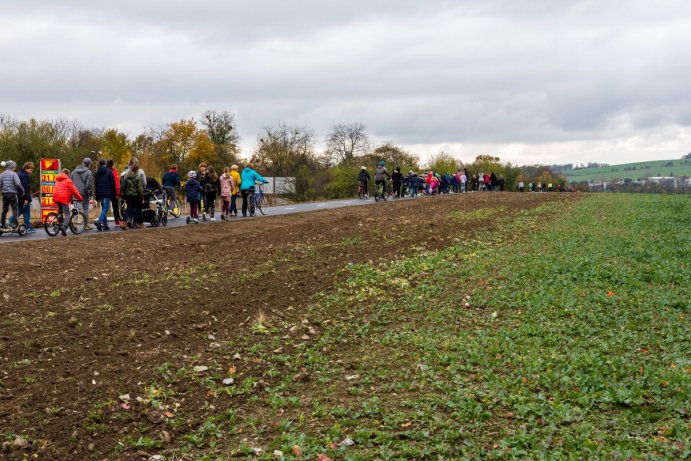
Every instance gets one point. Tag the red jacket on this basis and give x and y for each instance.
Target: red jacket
(64, 190)
(117, 182)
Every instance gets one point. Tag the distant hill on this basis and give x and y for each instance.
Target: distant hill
(634, 171)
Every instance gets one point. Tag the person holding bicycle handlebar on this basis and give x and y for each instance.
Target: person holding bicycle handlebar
(248, 178)
(64, 191)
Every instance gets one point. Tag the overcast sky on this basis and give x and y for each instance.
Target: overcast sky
(538, 81)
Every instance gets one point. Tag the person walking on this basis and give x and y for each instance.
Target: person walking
(397, 178)
(463, 181)
(11, 187)
(212, 187)
(83, 180)
(116, 195)
(237, 181)
(24, 200)
(132, 189)
(105, 193)
(227, 186)
(248, 178)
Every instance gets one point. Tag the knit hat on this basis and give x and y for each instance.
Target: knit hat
(87, 161)
(192, 174)
(10, 165)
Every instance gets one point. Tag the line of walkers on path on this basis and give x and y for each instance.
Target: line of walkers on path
(430, 182)
(110, 189)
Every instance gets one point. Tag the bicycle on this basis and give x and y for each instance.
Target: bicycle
(257, 200)
(54, 221)
(381, 192)
(361, 190)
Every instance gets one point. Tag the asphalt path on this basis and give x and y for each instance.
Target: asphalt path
(182, 220)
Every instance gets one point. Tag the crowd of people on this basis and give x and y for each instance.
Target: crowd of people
(111, 189)
(201, 189)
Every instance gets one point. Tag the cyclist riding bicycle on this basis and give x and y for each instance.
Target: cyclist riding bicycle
(171, 180)
(248, 178)
(363, 178)
(64, 191)
(379, 174)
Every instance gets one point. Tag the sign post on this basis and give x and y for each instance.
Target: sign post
(50, 168)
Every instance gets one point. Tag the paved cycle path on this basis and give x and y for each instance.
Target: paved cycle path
(181, 221)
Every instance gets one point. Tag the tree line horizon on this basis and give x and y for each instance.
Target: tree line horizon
(283, 150)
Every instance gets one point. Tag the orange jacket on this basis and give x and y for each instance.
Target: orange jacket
(64, 190)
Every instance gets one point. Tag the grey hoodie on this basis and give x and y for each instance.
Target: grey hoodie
(83, 180)
(10, 182)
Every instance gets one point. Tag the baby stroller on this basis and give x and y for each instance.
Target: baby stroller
(153, 210)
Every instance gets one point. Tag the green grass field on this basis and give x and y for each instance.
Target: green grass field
(633, 171)
(562, 336)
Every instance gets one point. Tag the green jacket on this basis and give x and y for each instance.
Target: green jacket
(132, 186)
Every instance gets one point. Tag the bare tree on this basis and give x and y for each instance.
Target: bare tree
(281, 150)
(345, 142)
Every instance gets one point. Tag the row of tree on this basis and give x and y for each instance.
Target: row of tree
(283, 150)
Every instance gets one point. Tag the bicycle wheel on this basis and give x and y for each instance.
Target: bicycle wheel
(174, 208)
(263, 204)
(250, 206)
(77, 223)
(51, 224)
(164, 219)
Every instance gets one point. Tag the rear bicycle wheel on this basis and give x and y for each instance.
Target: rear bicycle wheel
(77, 223)
(51, 224)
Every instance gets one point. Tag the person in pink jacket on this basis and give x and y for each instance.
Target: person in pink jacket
(227, 186)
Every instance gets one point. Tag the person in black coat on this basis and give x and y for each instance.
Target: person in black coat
(24, 200)
(397, 178)
(105, 193)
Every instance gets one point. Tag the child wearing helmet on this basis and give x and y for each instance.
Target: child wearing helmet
(192, 192)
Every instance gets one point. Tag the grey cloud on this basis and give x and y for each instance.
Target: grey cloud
(414, 72)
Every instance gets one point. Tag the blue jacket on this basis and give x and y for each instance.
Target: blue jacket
(171, 179)
(25, 179)
(192, 189)
(105, 183)
(249, 176)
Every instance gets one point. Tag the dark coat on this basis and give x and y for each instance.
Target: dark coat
(25, 179)
(171, 179)
(192, 189)
(105, 183)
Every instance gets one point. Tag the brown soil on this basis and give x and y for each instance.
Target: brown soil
(86, 319)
